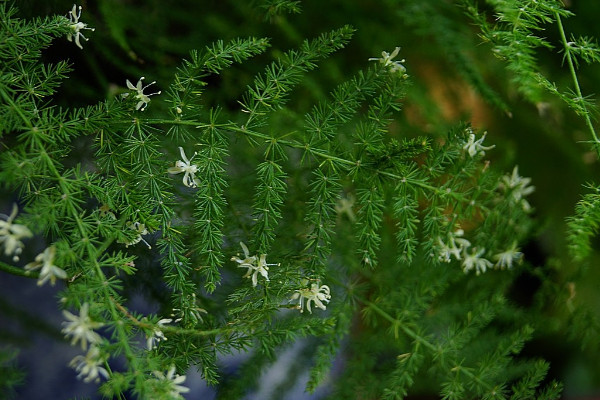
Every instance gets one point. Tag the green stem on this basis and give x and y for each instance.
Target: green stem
(18, 271)
(92, 252)
(317, 153)
(472, 377)
(17, 109)
(398, 324)
(571, 64)
(421, 340)
(172, 329)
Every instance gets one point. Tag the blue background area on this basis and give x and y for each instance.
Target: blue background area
(44, 354)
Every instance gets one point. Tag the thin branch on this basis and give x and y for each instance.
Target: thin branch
(571, 64)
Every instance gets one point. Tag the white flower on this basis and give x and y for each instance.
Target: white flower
(474, 260)
(11, 235)
(344, 206)
(456, 245)
(89, 366)
(157, 334)
(144, 99)
(76, 26)
(49, 271)
(261, 268)
(386, 60)
(247, 261)
(141, 230)
(475, 147)
(446, 251)
(505, 259)
(105, 212)
(517, 186)
(316, 294)
(189, 169)
(253, 269)
(174, 381)
(81, 328)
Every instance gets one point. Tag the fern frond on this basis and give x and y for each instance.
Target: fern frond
(584, 225)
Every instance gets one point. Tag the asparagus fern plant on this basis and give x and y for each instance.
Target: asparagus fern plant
(251, 224)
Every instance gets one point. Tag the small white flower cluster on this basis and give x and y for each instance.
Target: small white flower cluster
(11, 235)
(458, 247)
(174, 382)
(77, 26)
(518, 188)
(475, 260)
(89, 366)
(256, 265)
(143, 99)
(506, 258)
(140, 229)
(454, 246)
(105, 212)
(387, 61)
(184, 165)
(157, 334)
(316, 294)
(49, 271)
(476, 147)
(344, 207)
(81, 329)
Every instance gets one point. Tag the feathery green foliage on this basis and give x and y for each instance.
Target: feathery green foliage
(258, 216)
